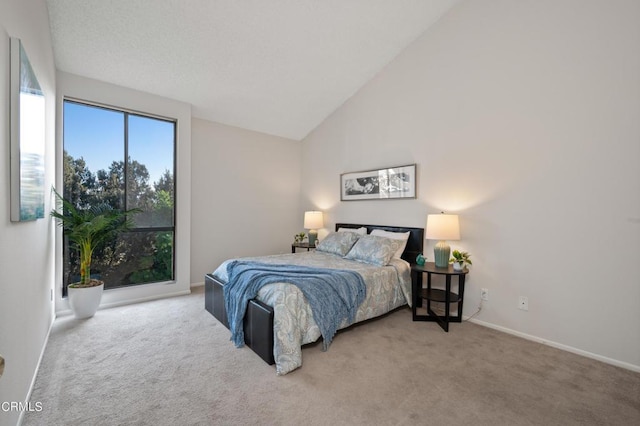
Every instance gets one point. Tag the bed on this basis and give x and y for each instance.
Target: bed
(278, 321)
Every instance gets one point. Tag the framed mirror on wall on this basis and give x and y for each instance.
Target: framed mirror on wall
(27, 122)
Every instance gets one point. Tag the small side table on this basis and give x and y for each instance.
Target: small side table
(295, 246)
(445, 296)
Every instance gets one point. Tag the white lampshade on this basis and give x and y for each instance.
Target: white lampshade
(443, 227)
(313, 220)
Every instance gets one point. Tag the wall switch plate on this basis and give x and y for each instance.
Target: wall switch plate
(523, 303)
(484, 294)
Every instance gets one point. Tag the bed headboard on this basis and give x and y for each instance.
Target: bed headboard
(415, 244)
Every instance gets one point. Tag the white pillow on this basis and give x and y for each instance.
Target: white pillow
(359, 231)
(404, 236)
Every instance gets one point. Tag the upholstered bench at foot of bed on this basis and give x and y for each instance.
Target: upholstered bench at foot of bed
(258, 320)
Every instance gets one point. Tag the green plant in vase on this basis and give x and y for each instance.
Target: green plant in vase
(87, 229)
(460, 259)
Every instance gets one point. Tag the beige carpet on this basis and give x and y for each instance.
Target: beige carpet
(169, 362)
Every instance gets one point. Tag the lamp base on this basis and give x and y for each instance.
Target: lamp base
(313, 236)
(441, 254)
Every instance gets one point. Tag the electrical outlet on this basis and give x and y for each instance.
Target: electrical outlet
(484, 293)
(523, 303)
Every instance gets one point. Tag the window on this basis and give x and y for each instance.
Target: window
(128, 161)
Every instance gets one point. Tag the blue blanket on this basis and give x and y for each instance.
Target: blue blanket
(334, 294)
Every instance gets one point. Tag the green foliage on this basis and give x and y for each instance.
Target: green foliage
(165, 183)
(460, 256)
(299, 237)
(159, 266)
(89, 228)
(133, 257)
(78, 181)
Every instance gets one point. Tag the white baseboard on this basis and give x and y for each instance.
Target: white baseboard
(200, 284)
(35, 373)
(131, 301)
(556, 345)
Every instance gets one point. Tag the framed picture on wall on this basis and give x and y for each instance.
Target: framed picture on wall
(382, 184)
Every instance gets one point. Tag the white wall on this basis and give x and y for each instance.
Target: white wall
(26, 308)
(82, 88)
(523, 118)
(246, 195)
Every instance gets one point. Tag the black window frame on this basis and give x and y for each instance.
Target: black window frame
(126, 113)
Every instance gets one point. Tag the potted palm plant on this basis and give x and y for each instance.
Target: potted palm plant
(87, 229)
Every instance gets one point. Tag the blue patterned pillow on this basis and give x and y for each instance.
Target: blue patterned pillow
(338, 243)
(373, 249)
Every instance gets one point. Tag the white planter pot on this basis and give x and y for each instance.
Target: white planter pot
(84, 302)
(458, 266)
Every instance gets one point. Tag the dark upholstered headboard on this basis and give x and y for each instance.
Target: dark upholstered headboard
(415, 244)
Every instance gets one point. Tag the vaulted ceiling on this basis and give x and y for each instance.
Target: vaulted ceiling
(274, 66)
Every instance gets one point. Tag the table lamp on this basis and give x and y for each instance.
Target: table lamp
(312, 222)
(442, 227)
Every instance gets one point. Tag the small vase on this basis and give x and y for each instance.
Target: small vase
(458, 266)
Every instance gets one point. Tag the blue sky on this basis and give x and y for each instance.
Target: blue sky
(97, 135)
